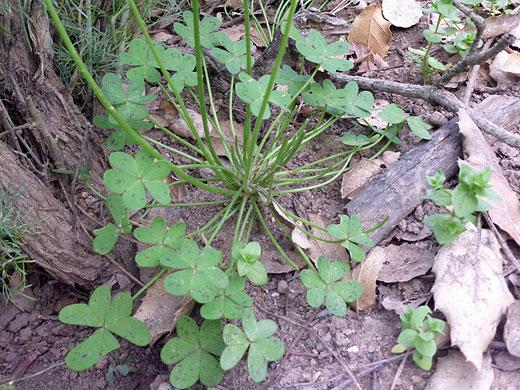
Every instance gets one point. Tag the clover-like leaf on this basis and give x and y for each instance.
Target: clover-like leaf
(419, 128)
(252, 91)
(352, 139)
(256, 337)
(118, 139)
(140, 56)
(208, 26)
(193, 352)
(350, 232)
(107, 236)
(247, 256)
(234, 57)
(229, 303)
(182, 65)
(199, 276)
(131, 176)
(315, 49)
(326, 285)
(392, 114)
(295, 81)
(130, 103)
(166, 241)
(109, 318)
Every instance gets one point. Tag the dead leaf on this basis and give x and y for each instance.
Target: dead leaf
(366, 273)
(497, 25)
(512, 329)
(398, 296)
(454, 372)
(225, 127)
(402, 13)
(404, 262)
(274, 264)
(505, 213)
(160, 310)
(471, 291)
(497, 71)
(236, 32)
(366, 59)
(177, 191)
(372, 29)
(360, 175)
(235, 4)
(512, 65)
(162, 36)
(315, 248)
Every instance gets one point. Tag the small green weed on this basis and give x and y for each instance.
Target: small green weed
(419, 330)
(12, 230)
(466, 199)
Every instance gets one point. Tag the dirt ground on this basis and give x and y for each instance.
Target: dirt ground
(35, 342)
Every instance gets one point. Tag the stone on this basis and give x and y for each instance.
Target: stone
(283, 287)
(507, 362)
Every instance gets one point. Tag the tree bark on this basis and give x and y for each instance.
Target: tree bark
(46, 131)
(66, 255)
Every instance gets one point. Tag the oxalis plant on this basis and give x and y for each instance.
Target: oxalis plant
(252, 176)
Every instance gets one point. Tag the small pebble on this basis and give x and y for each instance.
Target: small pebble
(275, 295)
(283, 287)
(353, 349)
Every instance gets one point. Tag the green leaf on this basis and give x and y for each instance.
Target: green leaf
(191, 352)
(234, 57)
(182, 65)
(407, 337)
(392, 114)
(315, 296)
(446, 228)
(334, 303)
(464, 201)
(315, 49)
(230, 303)
(426, 348)
(112, 318)
(351, 139)
(86, 354)
(208, 26)
(106, 238)
(295, 81)
(419, 128)
(200, 275)
(349, 290)
(432, 37)
(423, 362)
(129, 176)
(350, 231)
(140, 55)
(257, 274)
(252, 91)
(418, 316)
(167, 242)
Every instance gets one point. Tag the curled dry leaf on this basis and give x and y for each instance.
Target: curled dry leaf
(366, 273)
(471, 291)
(366, 58)
(454, 372)
(497, 25)
(402, 13)
(160, 310)
(372, 29)
(505, 213)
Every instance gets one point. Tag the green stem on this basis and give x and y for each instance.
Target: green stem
(147, 285)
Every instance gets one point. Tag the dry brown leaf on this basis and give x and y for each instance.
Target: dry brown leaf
(402, 13)
(314, 248)
(405, 262)
(471, 291)
(365, 58)
(235, 4)
(366, 273)
(454, 372)
(236, 32)
(361, 173)
(512, 329)
(512, 65)
(505, 213)
(497, 25)
(372, 29)
(225, 127)
(160, 310)
(503, 78)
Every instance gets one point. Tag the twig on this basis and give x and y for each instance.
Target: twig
(475, 59)
(338, 358)
(470, 86)
(432, 95)
(399, 370)
(510, 256)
